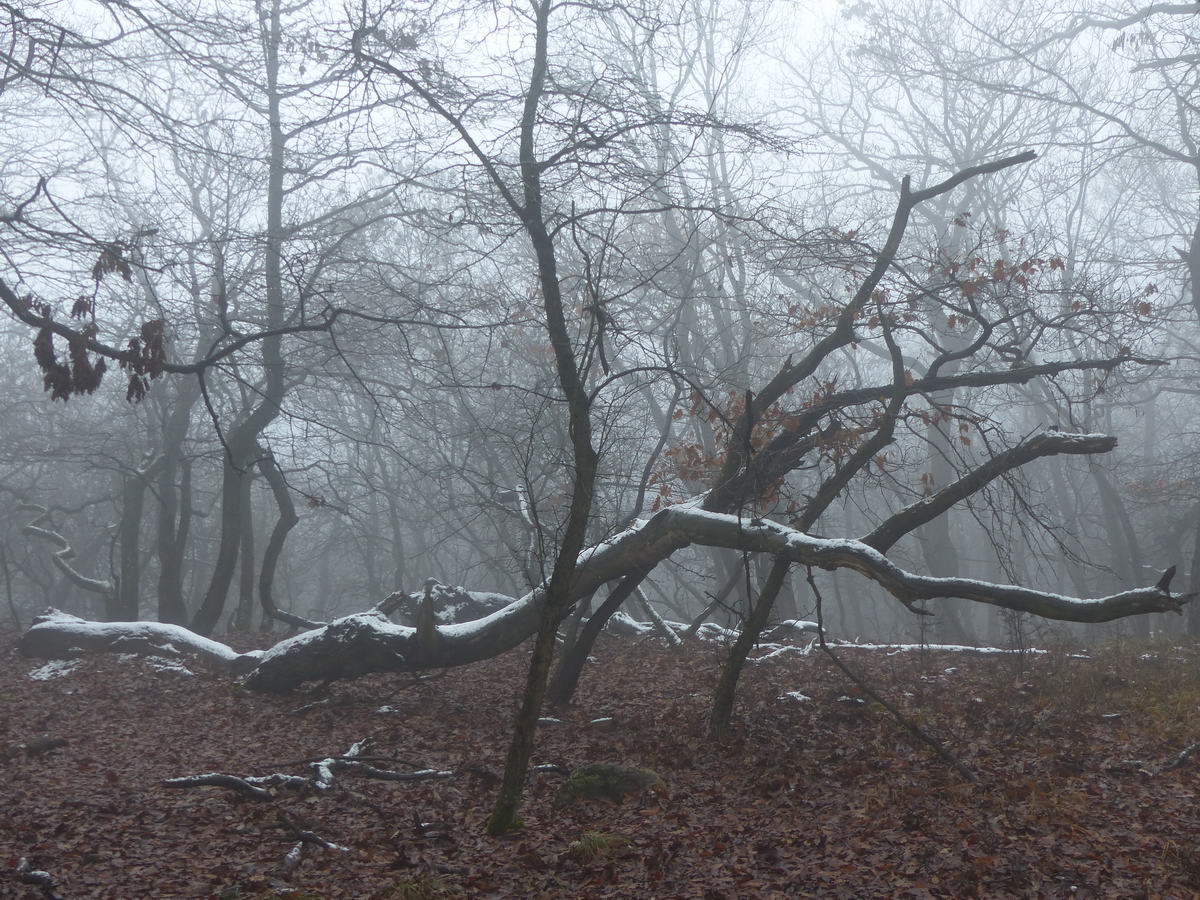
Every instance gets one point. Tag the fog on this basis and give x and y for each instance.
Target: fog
(306, 307)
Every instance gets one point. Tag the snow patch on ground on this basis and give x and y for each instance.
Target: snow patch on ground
(158, 663)
(795, 695)
(774, 651)
(908, 648)
(56, 668)
(711, 631)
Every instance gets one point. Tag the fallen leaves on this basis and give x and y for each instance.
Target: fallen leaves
(820, 797)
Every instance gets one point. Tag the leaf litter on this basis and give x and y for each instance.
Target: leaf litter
(820, 798)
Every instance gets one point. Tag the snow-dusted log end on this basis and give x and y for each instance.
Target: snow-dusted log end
(56, 633)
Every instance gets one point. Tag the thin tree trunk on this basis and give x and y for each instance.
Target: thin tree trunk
(575, 622)
(245, 607)
(127, 606)
(174, 510)
(572, 662)
(241, 443)
(559, 591)
(1122, 539)
(12, 603)
(717, 600)
(171, 607)
(213, 604)
(399, 563)
(1193, 613)
(656, 620)
(723, 697)
(270, 470)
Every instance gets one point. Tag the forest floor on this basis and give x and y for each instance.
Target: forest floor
(819, 797)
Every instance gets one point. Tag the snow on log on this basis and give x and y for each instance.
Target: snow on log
(369, 642)
(452, 604)
(56, 634)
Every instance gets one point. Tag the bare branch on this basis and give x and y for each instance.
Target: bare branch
(927, 509)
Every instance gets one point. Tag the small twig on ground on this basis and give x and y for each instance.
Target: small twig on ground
(304, 836)
(1183, 756)
(26, 874)
(301, 710)
(347, 758)
(292, 859)
(912, 727)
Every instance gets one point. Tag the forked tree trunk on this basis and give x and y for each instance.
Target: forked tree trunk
(211, 607)
(288, 519)
(241, 442)
(723, 697)
(571, 664)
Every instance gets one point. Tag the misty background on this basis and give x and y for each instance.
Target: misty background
(267, 188)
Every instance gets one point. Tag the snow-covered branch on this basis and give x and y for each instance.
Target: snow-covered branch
(65, 552)
(713, 529)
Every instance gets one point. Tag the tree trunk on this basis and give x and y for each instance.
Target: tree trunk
(245, 608)
(572, 662)
(583, 607)
(1122, 539)
(399, 562)
(1193, 585)
(717, 599)
(241, 442)
(936, 538)
(723, 697)
(175, 506)
(171, 607)
(560, 592)
(270, 561)
(232, 475)
(133, 497)
(8, 591)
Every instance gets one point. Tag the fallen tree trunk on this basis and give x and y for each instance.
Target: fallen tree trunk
(368, 642)
(56, 633)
